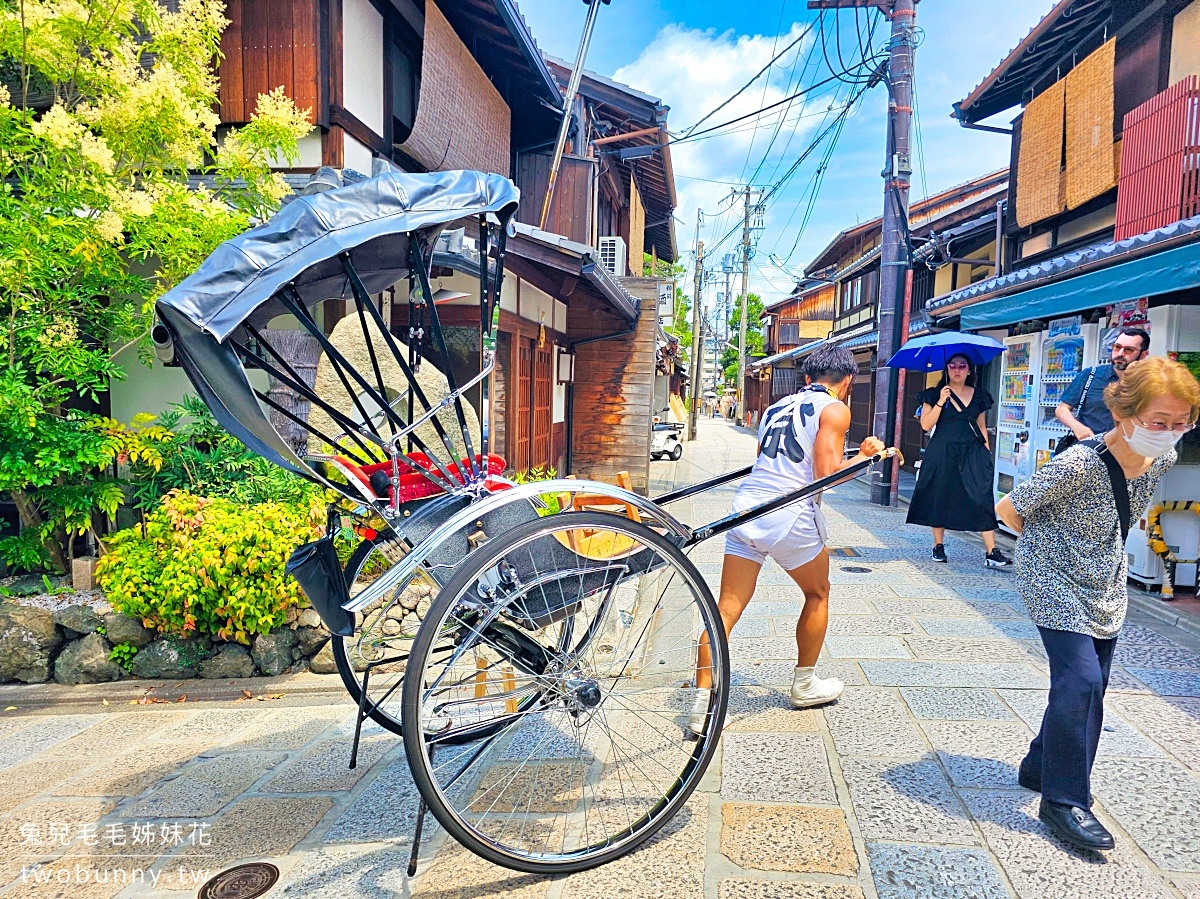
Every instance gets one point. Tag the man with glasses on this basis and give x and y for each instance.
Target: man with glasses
(1086, 416)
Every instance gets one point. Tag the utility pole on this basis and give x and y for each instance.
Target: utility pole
(743, 354)
(697, 361)
(727, 267)
(568, 102)
(895, 259)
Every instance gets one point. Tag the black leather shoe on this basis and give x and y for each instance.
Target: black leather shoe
(1077, 826)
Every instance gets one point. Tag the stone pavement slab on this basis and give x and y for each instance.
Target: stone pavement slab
(968, 649)
(873, 722)
(787, 838)
(252, 828)
(206, 787)
(978, 627)
(30, 741)
(742, 888)
(906, 800)
(979, 753)
(843, 647)
(766, 710)
(954, 704)
(1173, 724)
(959, 674)
(870, 626)
(1166, 682)
(1117, 738)
(1156, 801)
(927, 872)
(776, 767)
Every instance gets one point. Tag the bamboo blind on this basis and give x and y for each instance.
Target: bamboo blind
(1039, 160)
(1089, 103)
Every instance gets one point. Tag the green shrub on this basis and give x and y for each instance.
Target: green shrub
(208, 566)
(199, 456)
(123, 654)
(539, 473)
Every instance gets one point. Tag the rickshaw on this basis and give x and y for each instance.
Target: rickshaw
(533, 644)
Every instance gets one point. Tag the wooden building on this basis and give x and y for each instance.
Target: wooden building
(1099, 150)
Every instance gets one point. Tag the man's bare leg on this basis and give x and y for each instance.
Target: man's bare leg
(738, 578)
(813, 580)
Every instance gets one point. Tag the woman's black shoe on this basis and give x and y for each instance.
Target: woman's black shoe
(1077, 826)
(939, 552)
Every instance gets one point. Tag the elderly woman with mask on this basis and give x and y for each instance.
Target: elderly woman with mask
(1072, 516)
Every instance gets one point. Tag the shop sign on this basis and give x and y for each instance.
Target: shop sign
(1066, 327)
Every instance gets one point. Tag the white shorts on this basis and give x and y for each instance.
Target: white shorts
(793, 536)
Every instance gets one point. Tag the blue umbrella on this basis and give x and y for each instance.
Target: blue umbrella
(929, 353)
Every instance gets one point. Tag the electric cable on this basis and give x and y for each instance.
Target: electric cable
(687, 131)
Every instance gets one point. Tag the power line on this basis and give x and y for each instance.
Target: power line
(766, 87)
(688, 131)
(741, 118)
(808, 58)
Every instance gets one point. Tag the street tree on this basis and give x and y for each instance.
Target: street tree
(106, 111)
(754, 335)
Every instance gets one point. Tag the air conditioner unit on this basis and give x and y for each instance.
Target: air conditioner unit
(613, 255)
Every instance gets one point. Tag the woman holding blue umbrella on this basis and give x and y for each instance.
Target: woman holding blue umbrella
(954, 484)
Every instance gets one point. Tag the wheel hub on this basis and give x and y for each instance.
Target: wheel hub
(581, 695)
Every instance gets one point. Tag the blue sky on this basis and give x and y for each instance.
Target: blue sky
(696, 53)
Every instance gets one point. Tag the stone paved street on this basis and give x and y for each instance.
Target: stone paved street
(905, 788)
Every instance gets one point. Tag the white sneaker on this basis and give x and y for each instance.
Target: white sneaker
(698, 717)
(808, 690)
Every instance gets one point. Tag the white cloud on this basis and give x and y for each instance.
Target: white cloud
(693, 71)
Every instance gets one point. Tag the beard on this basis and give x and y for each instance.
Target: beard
(1120, 364)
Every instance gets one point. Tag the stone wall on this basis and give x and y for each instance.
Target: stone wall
(75, 646)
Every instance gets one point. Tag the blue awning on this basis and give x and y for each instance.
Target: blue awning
(1174, 269)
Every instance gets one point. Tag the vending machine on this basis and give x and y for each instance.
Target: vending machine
(1068, 347)
(1017, 411)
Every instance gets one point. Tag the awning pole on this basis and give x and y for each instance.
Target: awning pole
(568, 102)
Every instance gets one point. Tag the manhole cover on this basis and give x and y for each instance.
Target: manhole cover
(242, 882)
(855, 569)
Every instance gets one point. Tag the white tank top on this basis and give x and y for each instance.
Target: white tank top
(786, 436)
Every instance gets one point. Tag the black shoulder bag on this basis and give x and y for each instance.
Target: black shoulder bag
(1120, 487)
(978, 468)
(1068, 439)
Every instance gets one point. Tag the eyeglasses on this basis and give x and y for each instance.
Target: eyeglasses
(958, 365)
(1161, 427)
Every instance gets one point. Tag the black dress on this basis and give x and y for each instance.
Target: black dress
(954, 484)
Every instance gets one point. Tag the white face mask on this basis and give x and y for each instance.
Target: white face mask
(1150, 444)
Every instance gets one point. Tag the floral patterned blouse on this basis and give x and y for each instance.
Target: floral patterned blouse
(1070, 557)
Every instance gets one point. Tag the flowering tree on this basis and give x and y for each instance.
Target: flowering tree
(106, 109)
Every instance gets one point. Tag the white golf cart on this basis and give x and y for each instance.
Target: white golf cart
(665, 441)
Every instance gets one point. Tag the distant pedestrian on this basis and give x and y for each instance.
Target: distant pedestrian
(1082, 410)
(1073, 516)
(954, 484)
(801, 439)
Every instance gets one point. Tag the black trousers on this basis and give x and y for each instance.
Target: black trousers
(1062, 754)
